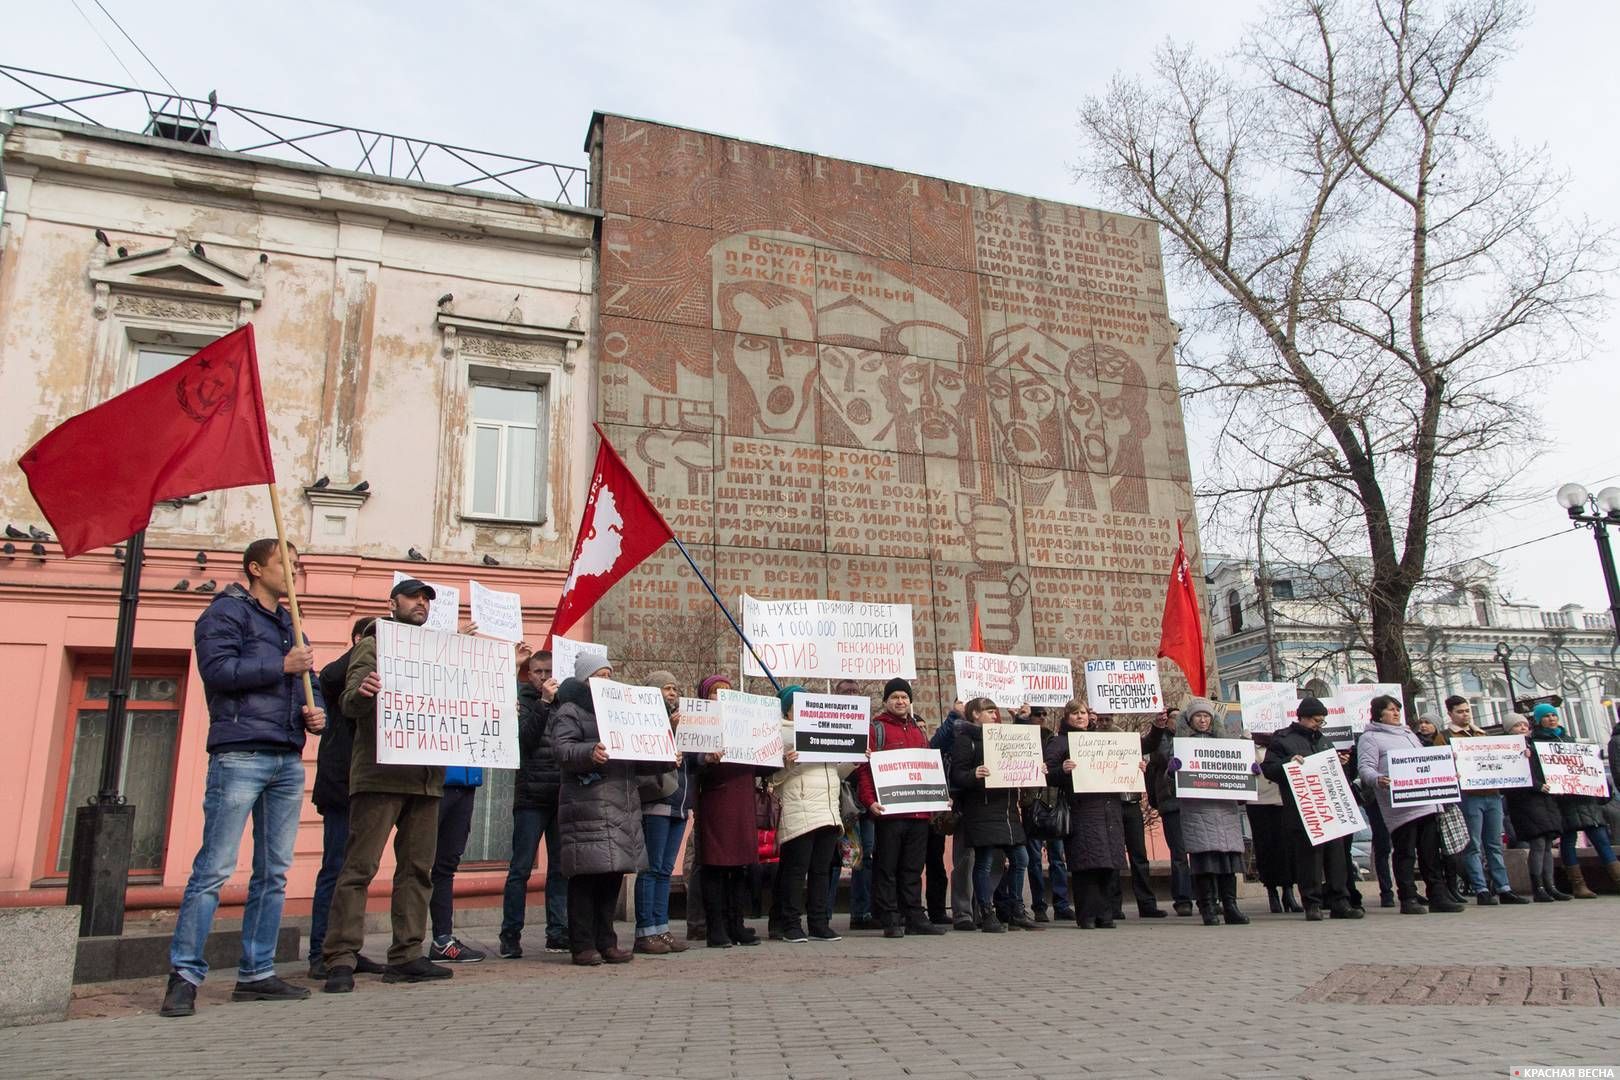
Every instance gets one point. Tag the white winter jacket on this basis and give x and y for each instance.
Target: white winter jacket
(809, 794)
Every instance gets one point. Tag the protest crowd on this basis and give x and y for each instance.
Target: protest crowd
(1002, 817)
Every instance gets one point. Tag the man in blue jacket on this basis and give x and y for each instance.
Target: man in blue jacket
(251, 670)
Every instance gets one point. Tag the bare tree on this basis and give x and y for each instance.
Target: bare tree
(1375, 280)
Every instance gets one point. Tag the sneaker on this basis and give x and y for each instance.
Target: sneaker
(510, 950)
(1511, 898)
(864, 922)
(179, 998)
(363, 965)
(1485, 899)
(270, 988)
(825, 933)
(450, 950)
(556, 945)
(339, 980)
(419, 970)
(652, 945)
(793, 935)
(674, 943)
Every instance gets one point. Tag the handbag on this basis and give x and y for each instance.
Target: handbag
(849, 809)
(657, 787)
(945, 822)
(767, 808)
(1453, 828)
(1048, 815)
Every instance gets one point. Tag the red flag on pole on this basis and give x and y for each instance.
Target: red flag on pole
(976, 641)
(619, 529)
(1181, 633)
(197, 427)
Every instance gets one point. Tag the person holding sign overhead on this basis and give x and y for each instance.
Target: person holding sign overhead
(991, 820)
(1320, 871)
(1211, 829)
(1096, 842)
(1411, 827)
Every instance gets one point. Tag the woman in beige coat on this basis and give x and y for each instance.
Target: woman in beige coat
(807, 835)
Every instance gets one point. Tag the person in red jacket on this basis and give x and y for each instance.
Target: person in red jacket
(902, 839)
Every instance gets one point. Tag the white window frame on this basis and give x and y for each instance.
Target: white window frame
(506, 378)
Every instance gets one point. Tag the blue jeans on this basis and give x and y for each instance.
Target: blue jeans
(1038, 878)
(268, 787)
(860, 881)
(1484, 855)
(529, 824)
(334, 837)
(1600, 842)
(663, 834)
(1017, 863)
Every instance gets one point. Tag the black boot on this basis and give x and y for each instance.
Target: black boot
(1274, 899)
(1204, 890)
(714, 912)
(1289, 903)
(736, 926)
(987, 921)
(1440, 898)
(1229, 905)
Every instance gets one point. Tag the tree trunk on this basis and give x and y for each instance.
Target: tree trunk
(1388, 599)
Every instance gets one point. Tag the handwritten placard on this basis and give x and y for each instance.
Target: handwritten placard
(446, 698)
(444, 610)
(1012, 753)
(1267, 706)
(910, 781)
(1323, 799)
(1106, 761)
(1572, 768)
(1124, 686)
(565, 651)
(1489, 762)
(829, 639)
(1355, 702)
(1216, 769)
(700, 730)
(988, 675)
(632, 721)
(1426, 777)
(498, 614)
(831, 727)
(753, 727)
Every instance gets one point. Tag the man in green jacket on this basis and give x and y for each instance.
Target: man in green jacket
(403, 799)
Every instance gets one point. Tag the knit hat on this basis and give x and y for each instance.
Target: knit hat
(894, 684)
(1541, 712)
(1198, 705)
(661, 679)
(785, 696)
(1311, 707)
(589, 662)
(710, 682)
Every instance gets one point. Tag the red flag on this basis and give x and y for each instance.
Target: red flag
(976, 642)
(620, 528)
(197, 427)
(1181, 633)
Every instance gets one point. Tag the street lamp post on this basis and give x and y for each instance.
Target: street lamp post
(1503, 655)
(1603, 510)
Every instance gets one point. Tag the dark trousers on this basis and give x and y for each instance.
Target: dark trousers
(1180, 869)
(455, 825)
(802, 872)
(1319, 870)
(1416, 847)
(1054, 876)
(939, 880)
(1382, 848)
(529, 824)
(334, 838)
(902, 848)
(860, 880)
(591, 900)
(414, 821)
(1094, 893)
(1136, 850)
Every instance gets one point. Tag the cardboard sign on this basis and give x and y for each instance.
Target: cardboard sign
(1011, 681)
(1355, 702)
(910, 781)
(1426, 777)
(1323, 799)
(446, 699)
(753, 728)
(1267, 706)
(829, 639)
(1216, 769)
(1491, 762)
(1012, 752)
(444, 610)
(632, 721)
(700, 730)
(498, 614)
(1572, 768)
(1106, 761)
(1124, 686)
(831, 727)
(564, 651)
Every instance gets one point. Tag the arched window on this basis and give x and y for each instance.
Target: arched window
(1234, 610)
(1316, 688)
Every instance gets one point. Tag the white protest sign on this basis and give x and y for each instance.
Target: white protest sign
(565, 651)
(753, 728)
(632, 722)
(1323, 799)
(1106, 761)
(1012, 753)
(1047, 680)
(1572, 768)
(1267, 706)
(1355, 699)
(444, 610)
(910, 781)
(1426, 777)
(1216, 769)
(1123, 686)
(1336, 726)
(446, 699)
(1491, 762)
(498, 614)
(989, 675)
(829, 639)
(831, 727)
(700, 730)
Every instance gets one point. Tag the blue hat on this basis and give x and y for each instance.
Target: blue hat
(785, 696)
(1541, 712)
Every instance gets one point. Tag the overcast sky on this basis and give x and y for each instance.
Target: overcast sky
(984, 95)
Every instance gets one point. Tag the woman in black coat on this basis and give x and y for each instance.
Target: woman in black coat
(1537, 822)
(1096, 841)
(991, 820)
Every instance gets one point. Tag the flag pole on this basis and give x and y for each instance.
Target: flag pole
(722, 605)
(292, 592)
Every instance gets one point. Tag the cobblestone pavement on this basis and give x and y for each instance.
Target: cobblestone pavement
(1170, 998)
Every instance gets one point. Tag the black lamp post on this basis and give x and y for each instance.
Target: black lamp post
(1602, 510)
(1503, 655)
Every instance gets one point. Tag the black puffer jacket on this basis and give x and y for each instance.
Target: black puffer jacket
(538, 777)
(1295, 739)
(1157, 744)
(990, 816)
(1533, 812)
(331, 790)
(1096, 838)
(1578, 812)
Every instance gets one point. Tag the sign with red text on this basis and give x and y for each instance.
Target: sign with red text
(753, 728)
(1011, 681)
(1012, 753)
(1106, 761)
(1426, 777)
(829, 639)
(831, 727)
(1123, 686)
(632, 722)
(910, 781)
(446, 699)
(1323, 799)
(1572, 768)
(1490, 762)
(1216, 769)
(566, 651)
(700, 730)
(1355, 702)
(1267, 706)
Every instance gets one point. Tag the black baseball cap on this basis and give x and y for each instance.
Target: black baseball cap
(410, 587)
